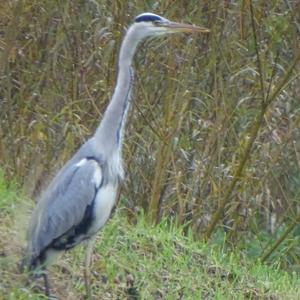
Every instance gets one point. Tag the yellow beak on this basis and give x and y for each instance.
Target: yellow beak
(181, 27)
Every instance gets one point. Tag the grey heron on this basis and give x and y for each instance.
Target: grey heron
(79, 200)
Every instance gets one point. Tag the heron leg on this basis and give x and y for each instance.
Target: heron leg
(46, 281)
(87, 273)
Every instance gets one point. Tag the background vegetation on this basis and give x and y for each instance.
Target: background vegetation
(213, 141)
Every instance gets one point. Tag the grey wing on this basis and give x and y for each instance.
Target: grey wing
(64, 203)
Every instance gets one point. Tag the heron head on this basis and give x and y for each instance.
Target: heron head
(149, 24)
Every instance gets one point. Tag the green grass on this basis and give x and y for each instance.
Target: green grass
(140, 261)
(7, 195)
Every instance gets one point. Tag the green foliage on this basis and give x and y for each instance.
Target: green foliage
(7, 195)
(167, 264)
(142, 261)
(214, 130)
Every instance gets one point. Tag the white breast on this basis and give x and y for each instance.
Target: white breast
(104, 202)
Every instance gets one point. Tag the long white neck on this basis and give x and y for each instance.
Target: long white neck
(109, 134)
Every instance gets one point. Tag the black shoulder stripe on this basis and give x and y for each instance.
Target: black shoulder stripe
(86, 222)
(69, 239)
(93, 158)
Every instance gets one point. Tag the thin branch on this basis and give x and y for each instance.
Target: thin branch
(10, 36)
(258, 60)
(285, 80)
(253, 134)
(281, 239)
(246, 155)
(294, 20)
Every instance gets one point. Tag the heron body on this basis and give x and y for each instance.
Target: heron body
(79, 200)
(75, 206)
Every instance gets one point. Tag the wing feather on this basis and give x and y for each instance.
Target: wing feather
(64, 203)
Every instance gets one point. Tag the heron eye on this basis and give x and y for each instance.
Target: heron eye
(157, 22)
